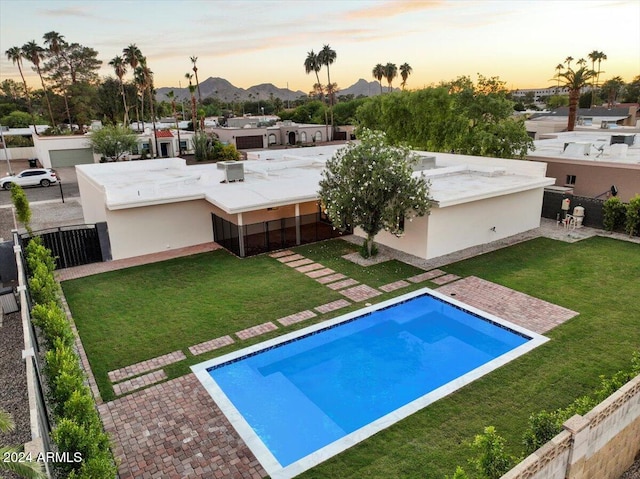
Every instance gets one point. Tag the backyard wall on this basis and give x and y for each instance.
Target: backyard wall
(601, 444)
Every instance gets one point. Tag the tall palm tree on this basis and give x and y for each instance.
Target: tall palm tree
(390, 72)
(147, 84)
(575, 81)
(15, 54)
(139, 81)
(378, 74)
(132, 56)
(120, 68)
(612, 88)
(312, 64)
(56, 42)
(195, 71)
(568, 61)
(34, 53)
(172, 98)
(326, 57)
(582, 62)
(29, 470)
(405, 71)
(559, 68)
(192, 90)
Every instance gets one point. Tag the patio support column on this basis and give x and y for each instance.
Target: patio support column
(297, 223)
(240, 235)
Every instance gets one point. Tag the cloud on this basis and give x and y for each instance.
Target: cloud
(69, 12)
(394, 8)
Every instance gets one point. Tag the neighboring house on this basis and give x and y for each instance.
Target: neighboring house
(591, 162)
(600, 117)
(152, 206)
(539, 93)
(18, 153)
(252, 136)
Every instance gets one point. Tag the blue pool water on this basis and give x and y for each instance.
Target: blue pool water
(305, 394)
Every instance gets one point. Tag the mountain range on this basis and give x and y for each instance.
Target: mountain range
(225, 91)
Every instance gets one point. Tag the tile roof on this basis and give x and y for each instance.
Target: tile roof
(164, 134)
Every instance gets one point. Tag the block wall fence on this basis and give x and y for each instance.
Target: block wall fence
(602, 444)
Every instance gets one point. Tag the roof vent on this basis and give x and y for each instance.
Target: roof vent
(233, 171)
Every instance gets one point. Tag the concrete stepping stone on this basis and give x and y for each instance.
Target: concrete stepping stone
(280, 254)
(331, 278)
(256, 330)
(343, 284)
(145, 366)
(334, 305)
(387, 288)
(139, 382)
(447, 278)
(429, 275)
(297, 317)
(309, 267)
(293, 257)
(211, 345)
(360, 293)
(320, 272)
(300, 262)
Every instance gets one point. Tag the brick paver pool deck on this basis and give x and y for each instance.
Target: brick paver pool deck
(174, 430)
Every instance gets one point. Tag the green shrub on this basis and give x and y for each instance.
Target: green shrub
(53, 322)
(613, 211)
(633, 216)
(21, 204)
(100, 466)
(491, 460)
(73, 438)
(543, 426)
(80, 407)
(36, 253)
(42, 285)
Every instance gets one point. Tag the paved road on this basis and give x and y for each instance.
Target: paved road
(38, 193)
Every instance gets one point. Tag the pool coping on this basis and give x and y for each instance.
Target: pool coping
(260, 450)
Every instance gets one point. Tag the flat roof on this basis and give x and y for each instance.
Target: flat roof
(275, 178)
(595, 146)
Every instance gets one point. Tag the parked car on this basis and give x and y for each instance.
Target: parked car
(30, 177)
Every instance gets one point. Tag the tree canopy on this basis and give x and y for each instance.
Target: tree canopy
(370, 184)
(113, 142)
(458, 117)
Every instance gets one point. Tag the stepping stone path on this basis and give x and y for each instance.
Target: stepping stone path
(210, 345)
(145, 366)
(387, 288)
(256, 330)
(360, 293)
(447, 278)
(139, 382)
(296, 318)
(343, 284)
(334, 305)
(429, 275)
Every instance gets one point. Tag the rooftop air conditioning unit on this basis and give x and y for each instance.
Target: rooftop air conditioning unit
(233, 170)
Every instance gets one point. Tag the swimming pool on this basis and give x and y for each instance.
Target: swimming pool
(302, 398)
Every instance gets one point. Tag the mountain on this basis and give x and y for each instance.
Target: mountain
(225, 91)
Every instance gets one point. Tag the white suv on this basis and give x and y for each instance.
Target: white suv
(30, 177)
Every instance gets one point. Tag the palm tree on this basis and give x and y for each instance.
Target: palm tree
(326, 57)
(312, 64)
(405, 71)
(15, 54)
(568, 61)
(34, 53)
(140, 83)
(172, 97)
(120, 68)
(559, 68)
(195, 71)
(612, 88)
(29, 470)
(147, 84)
(390, 72)
(132, 56)
(575, 81)
(192, 90)
(378, 74)
(55, 42)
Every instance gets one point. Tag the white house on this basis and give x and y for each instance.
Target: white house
(151, 206)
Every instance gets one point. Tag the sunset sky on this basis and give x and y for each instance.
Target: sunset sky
(253, 42)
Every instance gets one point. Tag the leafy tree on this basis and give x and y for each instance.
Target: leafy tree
(557, 101)
(56, 43)
(632, 91)
(370, 185)
(113, 142)
(17, 119)
(575, 81)
(29, 470)
(378, 74)
(611, 89)
(457, 117)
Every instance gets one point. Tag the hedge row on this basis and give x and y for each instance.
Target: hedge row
(78, 430)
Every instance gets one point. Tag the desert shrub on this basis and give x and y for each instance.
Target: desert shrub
(613, 211)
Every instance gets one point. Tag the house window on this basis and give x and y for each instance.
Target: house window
(145, 148)
(571, 180)
(317, 136)
(303, 137)
(183, 145)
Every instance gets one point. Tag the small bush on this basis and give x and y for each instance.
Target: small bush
(53, 322)
(633, 216)
(42, 285)
(100, 466)
(74, 438)
(613, 211)
(21, 204)
(36, 253)
(491, 459)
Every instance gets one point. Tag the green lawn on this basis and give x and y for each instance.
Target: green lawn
(185, 301)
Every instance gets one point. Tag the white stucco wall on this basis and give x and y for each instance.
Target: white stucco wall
(470, 224)
(151, 229)
(44, 144)
(413, 242)
(93, 199)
